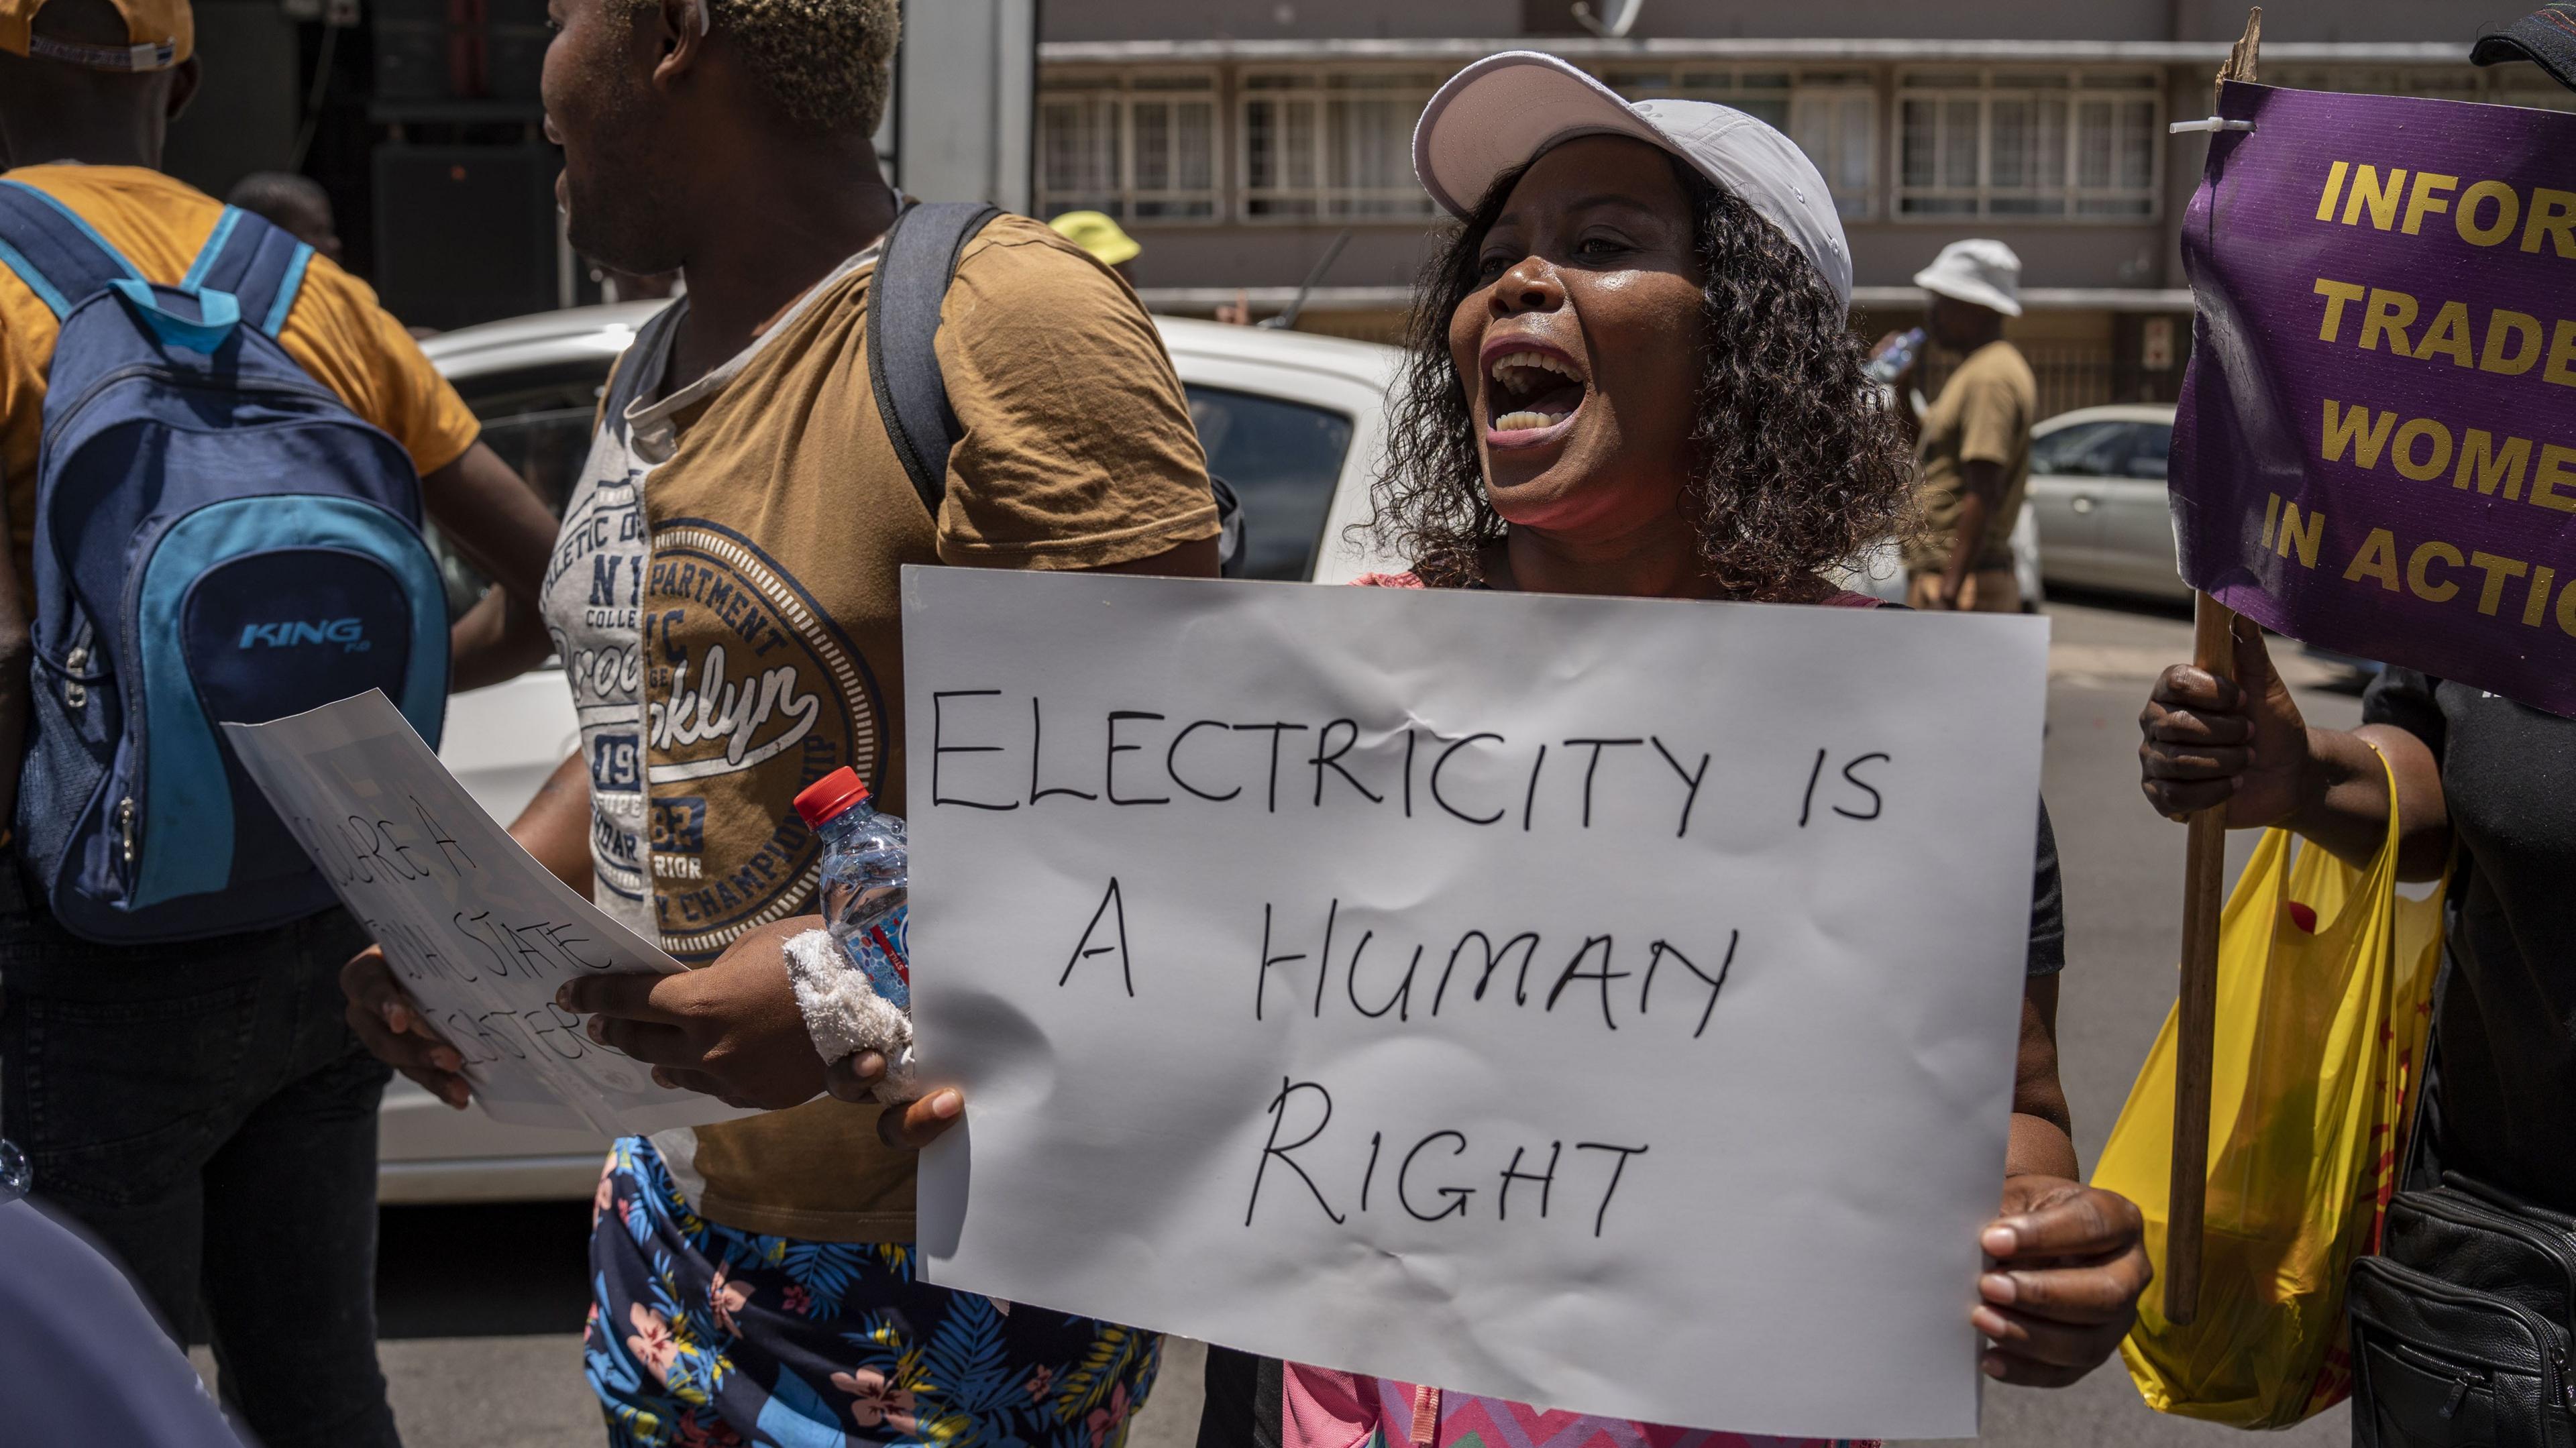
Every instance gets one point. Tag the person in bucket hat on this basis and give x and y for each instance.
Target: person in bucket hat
(1973, 443)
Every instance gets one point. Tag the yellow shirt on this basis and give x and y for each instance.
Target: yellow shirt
(1983, 416)
(336, 331)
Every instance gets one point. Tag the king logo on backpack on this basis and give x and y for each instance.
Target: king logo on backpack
(218, 539)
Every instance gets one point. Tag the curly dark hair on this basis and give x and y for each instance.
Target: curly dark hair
(1798, 466)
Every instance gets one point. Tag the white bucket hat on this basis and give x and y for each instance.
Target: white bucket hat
(1503, 111)
(1977, 270)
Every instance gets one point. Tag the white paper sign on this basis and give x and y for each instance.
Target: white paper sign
(1607, 1004)
(480, 933)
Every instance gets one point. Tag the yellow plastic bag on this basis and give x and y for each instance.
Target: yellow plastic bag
(2325, 982)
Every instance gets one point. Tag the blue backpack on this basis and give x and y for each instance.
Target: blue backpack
(218, 539)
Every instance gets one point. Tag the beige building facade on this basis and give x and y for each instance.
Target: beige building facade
(1237, 140)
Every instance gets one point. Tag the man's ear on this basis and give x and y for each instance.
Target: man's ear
(683, 39)
(183, 89)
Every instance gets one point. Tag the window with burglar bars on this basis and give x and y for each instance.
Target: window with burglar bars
(1332, 143)
(1139, 147)
(1832, 115)
(2069, 146)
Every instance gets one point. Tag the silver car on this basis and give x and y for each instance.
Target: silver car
(1292, 421)
(2097, 485)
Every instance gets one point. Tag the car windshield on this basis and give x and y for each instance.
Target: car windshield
(2082, 450)
(1282, 459)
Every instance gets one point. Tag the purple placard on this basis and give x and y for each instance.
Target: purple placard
(2376, 447)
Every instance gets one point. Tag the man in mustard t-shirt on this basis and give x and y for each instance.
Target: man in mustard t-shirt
(725, 594)
(1974, 443)
(203, 1108)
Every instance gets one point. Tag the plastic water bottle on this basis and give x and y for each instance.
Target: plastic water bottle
(865, 879)
(1890, 365)
(15, 1174)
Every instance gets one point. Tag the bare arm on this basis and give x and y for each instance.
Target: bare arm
(555, 827)
(493, 518)
(2043, 1141)
(499, 638)
(2070, 1260)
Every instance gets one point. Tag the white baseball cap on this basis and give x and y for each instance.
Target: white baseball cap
(1505, 110)
(1978, 270)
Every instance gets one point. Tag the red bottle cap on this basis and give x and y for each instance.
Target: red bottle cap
(833, 794)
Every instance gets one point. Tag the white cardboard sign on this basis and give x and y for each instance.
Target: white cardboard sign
(480, 933)
(1607, 1004)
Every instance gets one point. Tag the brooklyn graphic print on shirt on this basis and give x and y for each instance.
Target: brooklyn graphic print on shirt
(592, 599)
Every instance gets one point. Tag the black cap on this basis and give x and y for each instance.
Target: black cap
(2546, 37)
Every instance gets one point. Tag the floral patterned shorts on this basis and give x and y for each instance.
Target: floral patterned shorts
(703, 1335)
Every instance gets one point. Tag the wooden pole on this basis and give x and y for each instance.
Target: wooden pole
(2196, 1016)
(2213, 649)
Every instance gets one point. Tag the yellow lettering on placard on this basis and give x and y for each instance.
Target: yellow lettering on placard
(2380, 196)
(2334, 188)
(2430, 197)
(2271, 516)
(2497, 570)
(2448, 336)
(2550, 481)
(2419, 571)
(2429, 468)
(2352, 427)
(2508, 211)
(2305, 539)
(2338, 293)
(2483, 463)
(2391, 313)
(2536, 602)
(2501, 324)
(2377, 559)
(2553, 215)
(2562, 356)
(2567, 610)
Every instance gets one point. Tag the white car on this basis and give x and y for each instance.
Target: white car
(1292, 421)
(2097, 482)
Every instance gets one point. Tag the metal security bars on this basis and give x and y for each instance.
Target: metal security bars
(1331, 143)
(1139, 146)
(2059, 145)
(1832, 115)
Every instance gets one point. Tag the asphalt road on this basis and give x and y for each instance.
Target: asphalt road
(482, 1306)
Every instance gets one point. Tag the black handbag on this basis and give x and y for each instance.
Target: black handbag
(2461, 1326)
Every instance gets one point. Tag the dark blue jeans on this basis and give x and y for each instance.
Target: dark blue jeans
(203, 1110)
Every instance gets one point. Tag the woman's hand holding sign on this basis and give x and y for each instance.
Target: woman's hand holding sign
(2070, 1264)
(2244, 746)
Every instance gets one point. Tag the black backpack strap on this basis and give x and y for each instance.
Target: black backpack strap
(60, 257)
(913, 271)
(626, 379)
(260, 264)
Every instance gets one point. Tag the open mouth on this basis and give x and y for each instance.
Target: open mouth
(1532, 393)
